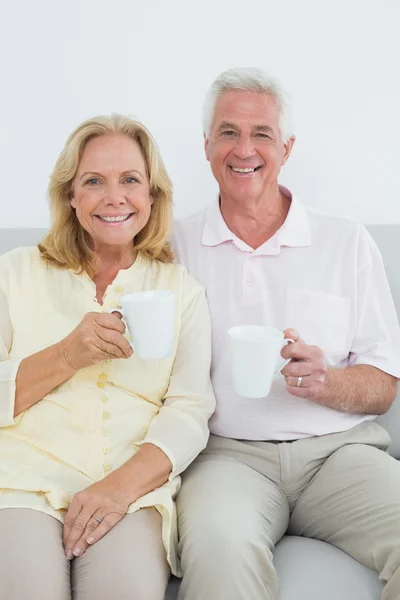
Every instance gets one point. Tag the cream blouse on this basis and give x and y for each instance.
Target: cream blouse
(96, 420)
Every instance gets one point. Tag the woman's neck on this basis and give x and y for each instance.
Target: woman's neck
(108, 266)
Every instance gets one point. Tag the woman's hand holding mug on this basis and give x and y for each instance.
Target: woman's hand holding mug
(98, 337)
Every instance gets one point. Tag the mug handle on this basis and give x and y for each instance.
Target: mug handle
(121, 312)
(284, 361)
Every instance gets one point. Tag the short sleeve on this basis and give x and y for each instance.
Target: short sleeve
(377, 338)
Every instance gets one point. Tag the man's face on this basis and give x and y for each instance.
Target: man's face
(244, 147)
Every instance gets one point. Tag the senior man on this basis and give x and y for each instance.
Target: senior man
(308, 459)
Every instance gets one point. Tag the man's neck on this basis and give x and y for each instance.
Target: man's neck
(255, 221)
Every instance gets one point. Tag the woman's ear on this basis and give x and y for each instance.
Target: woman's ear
(72, 201)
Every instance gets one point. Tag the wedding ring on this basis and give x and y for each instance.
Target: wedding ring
(299, 381)
(98, 520)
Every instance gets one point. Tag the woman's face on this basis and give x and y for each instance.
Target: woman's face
(111, 191)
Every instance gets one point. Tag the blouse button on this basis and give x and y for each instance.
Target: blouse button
(106, 415)
(107, 467)
(109, 361)
(104, 398)
(101, 384)
(118, 289)
(106, 450)
(103, 377)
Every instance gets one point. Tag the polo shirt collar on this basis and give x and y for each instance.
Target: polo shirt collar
(295, 231)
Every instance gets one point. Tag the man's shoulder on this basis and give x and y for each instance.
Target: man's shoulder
(187, 234)
(333, 225)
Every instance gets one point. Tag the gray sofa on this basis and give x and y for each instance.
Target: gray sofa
(307, 569)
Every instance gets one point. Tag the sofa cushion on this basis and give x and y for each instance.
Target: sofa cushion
(313, 570)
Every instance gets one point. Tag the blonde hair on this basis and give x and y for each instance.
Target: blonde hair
(68, 245)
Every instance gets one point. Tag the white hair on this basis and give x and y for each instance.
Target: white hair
(249, 80)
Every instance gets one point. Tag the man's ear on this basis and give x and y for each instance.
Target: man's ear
(206, 146)
(288, 148)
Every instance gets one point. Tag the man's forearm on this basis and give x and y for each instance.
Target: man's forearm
(361, 389)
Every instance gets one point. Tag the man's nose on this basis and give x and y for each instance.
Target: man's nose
(244, 147)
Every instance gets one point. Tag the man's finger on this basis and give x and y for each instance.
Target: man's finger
(305, 381)
(300, 392)
(299, 368)
(300, 351)
(292, 334)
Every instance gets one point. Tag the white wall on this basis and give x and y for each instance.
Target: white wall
(62, 62)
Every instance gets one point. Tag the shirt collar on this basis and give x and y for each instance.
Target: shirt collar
(295, 231)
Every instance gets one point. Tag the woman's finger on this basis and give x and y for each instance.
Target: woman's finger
(77, 530)
(73, 511)
(115, 342)
(94, 522)
(111, 321)
(104, 527)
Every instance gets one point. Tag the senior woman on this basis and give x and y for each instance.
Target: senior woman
(92, 438)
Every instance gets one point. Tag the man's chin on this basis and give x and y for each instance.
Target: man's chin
(243, 194)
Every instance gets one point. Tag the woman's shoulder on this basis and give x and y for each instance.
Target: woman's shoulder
(25, 257)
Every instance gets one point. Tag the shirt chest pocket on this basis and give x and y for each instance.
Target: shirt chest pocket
(321, 319)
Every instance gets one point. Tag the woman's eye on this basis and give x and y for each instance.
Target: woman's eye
(130, 180)
(93, 181)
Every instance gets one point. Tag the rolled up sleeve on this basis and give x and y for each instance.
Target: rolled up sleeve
(181, 427)
(8, 368)
(377, 338)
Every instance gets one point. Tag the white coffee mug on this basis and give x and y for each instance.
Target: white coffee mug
(150, 318)
(256, 358)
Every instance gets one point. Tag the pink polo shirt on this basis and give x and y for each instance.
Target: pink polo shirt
(319, 274)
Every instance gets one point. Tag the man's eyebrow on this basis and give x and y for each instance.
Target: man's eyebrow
(265, 128)
(227, 125)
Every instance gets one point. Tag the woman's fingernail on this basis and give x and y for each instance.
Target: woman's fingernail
(69, 554)
(90, 540)
(77, 552)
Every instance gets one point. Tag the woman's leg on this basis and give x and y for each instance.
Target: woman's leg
(32, 560)
(129, 563)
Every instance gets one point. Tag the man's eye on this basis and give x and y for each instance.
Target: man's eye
(228, 133)
(264, 135)
(93, 181)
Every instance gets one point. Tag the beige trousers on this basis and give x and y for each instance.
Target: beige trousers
(129, 563)
(239, 498)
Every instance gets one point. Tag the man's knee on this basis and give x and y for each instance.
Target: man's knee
(217, 544)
